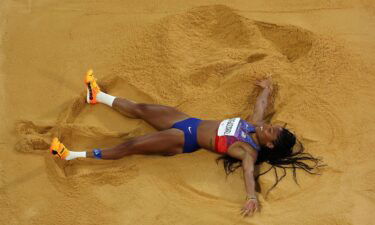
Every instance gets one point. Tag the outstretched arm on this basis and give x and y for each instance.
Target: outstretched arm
(248, 160)
(262, 102)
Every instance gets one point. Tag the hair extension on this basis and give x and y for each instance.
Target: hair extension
(281, 156)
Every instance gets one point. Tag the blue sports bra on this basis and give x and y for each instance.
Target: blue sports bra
(233, 130)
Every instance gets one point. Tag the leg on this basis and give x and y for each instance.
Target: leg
(168, 142)
(159, 116)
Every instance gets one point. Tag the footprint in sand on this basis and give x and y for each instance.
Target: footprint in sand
(34, 138)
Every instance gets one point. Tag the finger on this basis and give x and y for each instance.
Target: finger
(247, 213)
(243, 212)
(254, 210)
(246, 208)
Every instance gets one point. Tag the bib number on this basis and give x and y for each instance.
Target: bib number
(228, 127)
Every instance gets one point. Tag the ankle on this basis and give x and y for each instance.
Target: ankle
(105, 98)
(74, 155)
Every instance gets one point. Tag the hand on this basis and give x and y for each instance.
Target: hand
(265, 83)
(250, 207)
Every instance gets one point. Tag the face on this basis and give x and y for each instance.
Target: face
(267, 134)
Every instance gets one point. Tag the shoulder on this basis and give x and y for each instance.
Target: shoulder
(240, 149)
(254, 122)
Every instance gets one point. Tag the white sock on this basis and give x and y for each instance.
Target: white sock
(74, 155)
(105, 98)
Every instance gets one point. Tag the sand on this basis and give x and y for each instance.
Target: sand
(202, 57)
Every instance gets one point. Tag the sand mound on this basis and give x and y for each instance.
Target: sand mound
(205, 62)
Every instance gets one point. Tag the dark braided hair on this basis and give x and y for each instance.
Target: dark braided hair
(281, 156)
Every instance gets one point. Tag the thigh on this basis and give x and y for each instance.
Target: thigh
(161, 117)
(167, 142)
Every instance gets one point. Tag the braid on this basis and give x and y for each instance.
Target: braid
(281, 156)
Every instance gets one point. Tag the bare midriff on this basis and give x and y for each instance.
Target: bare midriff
(207, 132)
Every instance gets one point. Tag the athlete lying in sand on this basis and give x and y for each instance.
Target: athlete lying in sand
(237, 140)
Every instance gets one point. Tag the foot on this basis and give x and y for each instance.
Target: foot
(92, 87)
(58, 149)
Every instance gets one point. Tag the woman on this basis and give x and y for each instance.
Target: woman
(236, 139)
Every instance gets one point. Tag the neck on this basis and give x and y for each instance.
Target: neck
(255, 138)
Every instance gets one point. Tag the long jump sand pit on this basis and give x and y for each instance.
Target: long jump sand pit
(203, 59)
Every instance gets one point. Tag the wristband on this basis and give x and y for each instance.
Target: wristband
(249, 197)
